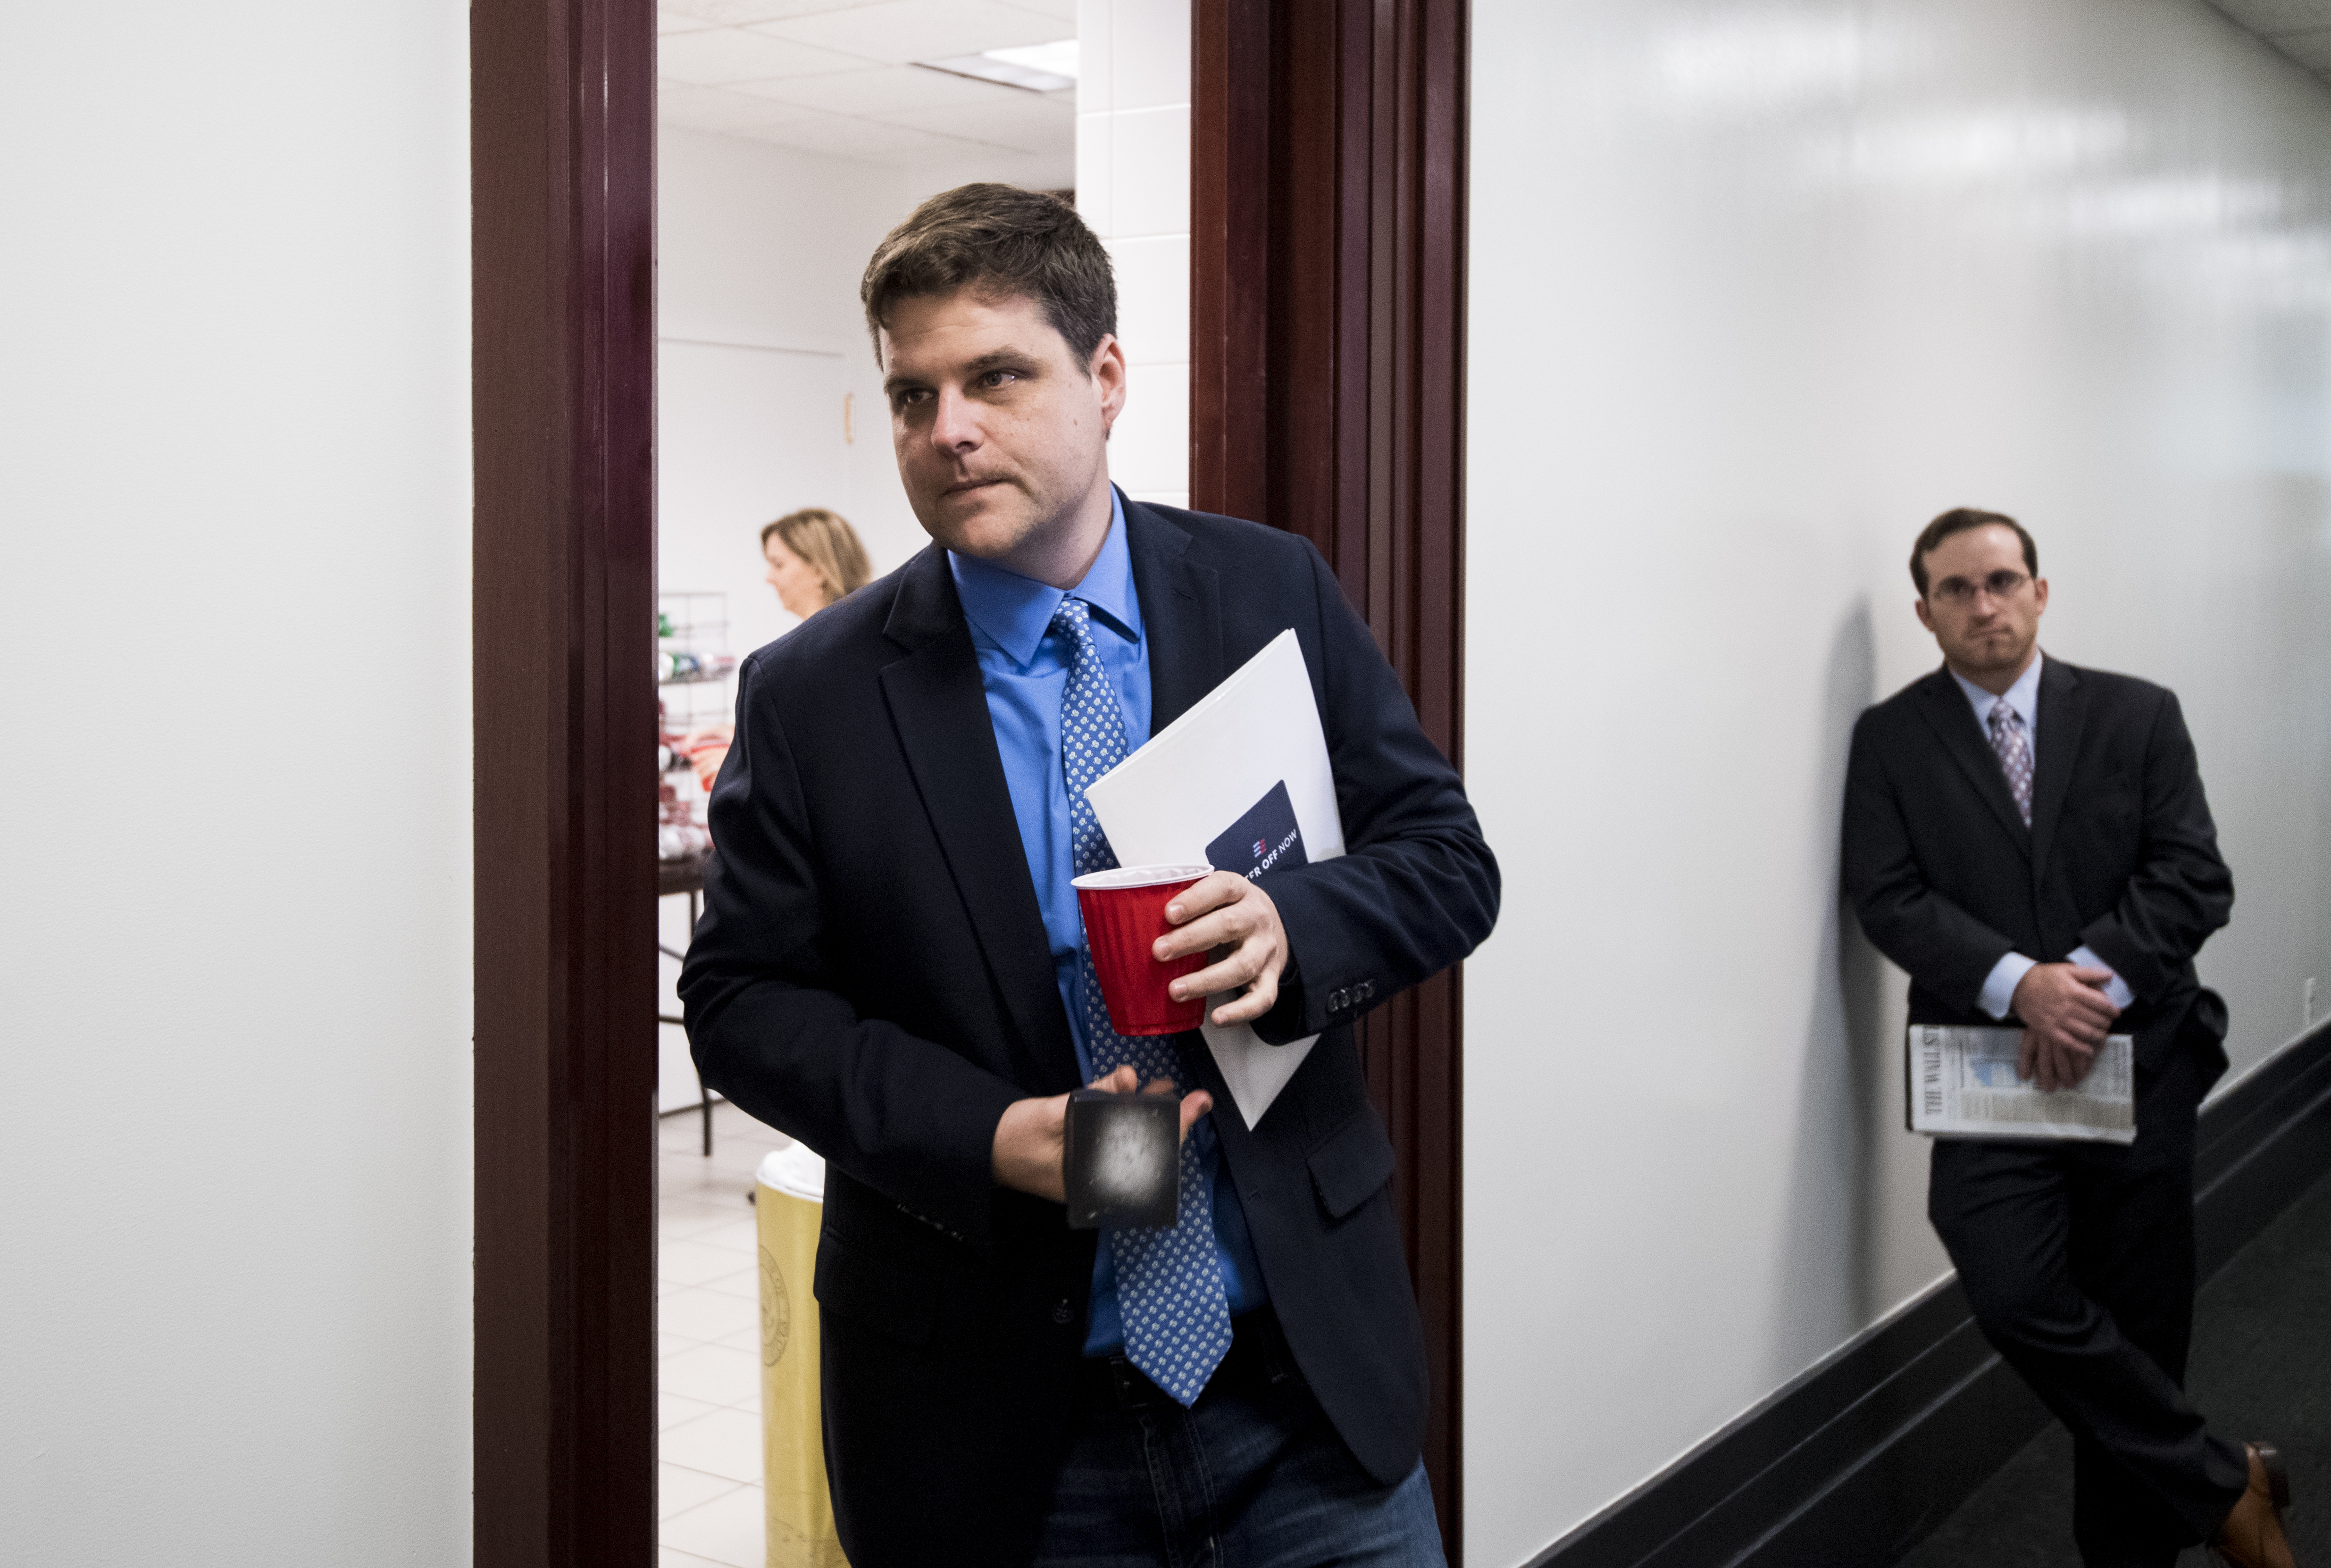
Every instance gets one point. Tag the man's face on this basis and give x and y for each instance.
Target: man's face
(1980, 604)
(1001, 432)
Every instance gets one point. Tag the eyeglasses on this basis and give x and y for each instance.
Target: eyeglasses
(1958, 591)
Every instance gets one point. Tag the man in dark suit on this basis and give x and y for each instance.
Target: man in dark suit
(890, 967)
(2031, 841)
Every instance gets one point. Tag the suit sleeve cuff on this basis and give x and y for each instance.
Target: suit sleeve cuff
(1997, 996)
(2117, 990)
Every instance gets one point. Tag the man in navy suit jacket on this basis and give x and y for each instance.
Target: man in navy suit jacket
(889, 951)
(2032, 843)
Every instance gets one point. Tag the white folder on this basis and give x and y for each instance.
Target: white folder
(1200, 777)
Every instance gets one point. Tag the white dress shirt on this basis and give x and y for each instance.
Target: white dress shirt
(2022, 698)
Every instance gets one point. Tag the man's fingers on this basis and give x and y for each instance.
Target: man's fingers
(2027, 1054)
(1243, 966)
(2061, 1062)
(1124, 1080)
(1223, 928)
(1209, 892)
(1195, 1104)
(1156, 1085)
(1259, 1000)
(2086, 976)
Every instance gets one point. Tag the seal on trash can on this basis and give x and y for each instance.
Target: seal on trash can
(776, 1311)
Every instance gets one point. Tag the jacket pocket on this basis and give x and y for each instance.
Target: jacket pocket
(1353, 1165)
(871, 1292)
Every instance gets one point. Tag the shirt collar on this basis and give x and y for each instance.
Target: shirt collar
(2022, 698)
(1013, 613)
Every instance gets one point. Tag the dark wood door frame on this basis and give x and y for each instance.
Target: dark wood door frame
(1326, 319)
(1328, 313)
(562, 186)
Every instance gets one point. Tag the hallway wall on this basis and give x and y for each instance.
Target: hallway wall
(1133, 188)
(1755, 290)
(235, 952)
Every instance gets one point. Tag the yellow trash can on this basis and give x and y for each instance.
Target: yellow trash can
(790, 1199)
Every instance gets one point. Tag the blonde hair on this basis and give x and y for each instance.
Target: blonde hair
(828, 544)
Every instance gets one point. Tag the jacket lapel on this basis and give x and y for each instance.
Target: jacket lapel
(2063, 714)
(1945, 708)
(1181, 614)
(939, 709)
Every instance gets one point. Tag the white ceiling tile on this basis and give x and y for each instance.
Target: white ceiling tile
(908, 29)
(839, 135)
(718, 111)
(1060, 10)
(2312, 50)
(724, 54)
(883, 90)
(1034, 124)
(671, 21)
(737, 13)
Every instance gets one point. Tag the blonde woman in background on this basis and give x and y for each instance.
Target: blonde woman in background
(814, 558)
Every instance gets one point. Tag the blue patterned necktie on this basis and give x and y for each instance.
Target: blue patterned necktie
(1169, 1283)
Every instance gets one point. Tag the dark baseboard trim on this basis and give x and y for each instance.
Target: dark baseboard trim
(2261, 1143)
(1857, 1460)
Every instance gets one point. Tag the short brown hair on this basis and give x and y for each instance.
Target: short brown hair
(1001, 240)
(828, 544)
(1959, 520)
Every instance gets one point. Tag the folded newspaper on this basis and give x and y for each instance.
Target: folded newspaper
(1962, 1084)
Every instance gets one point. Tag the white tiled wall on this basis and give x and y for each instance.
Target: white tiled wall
(1133, 187)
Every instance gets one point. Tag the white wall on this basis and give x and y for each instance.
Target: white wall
(235, 956)
(1756, 289)
(1133, 188)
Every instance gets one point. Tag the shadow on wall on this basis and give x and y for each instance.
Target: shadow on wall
(1831, 1252)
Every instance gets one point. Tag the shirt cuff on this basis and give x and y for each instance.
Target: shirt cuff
(2116, 990)
(1997, 996)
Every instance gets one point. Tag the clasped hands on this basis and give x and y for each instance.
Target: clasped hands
(2066, 1016)
(1223, 914)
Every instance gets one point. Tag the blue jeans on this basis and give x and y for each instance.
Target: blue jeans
(1253, 1476)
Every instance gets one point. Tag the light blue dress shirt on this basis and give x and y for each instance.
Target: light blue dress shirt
(1024, 669)
(2022, 698)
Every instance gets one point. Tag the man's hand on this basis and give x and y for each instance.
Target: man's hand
(1033, 1135)
(1235, 919)
(2066, 1016)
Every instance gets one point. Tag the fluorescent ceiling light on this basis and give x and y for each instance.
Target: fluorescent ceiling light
(1037, 67)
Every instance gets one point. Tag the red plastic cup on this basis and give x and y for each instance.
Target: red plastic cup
(1124, 914)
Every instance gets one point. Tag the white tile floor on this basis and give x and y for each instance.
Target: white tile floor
(709, 1343)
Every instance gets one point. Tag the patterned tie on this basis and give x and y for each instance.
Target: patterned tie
(2014, 755)
(1169, 1284)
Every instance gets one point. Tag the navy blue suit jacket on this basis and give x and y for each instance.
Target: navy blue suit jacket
(871, 976)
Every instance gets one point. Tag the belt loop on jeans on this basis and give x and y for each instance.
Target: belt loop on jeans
(1132, 1387)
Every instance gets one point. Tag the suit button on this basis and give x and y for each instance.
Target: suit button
(1063, 1314)
(1335, 1000)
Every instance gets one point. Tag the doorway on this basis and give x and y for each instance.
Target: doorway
(1327, 199)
